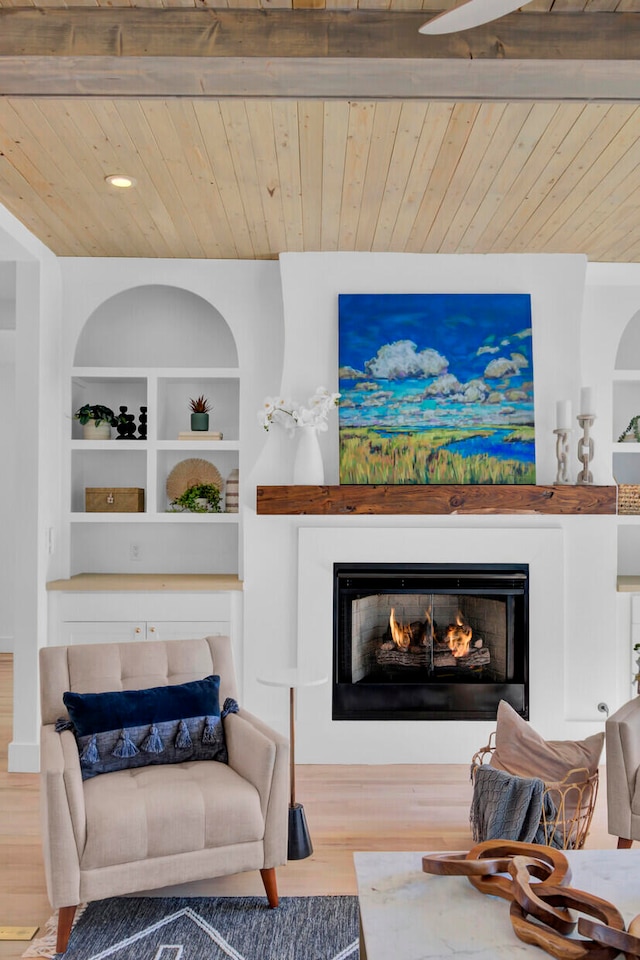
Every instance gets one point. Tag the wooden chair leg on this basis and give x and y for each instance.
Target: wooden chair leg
(270, 885)
(65, 922)
(623, 843)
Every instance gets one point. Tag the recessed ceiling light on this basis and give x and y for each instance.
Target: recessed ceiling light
(120, 180)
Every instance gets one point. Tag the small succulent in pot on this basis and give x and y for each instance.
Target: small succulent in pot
(200, 405)
(200, 413)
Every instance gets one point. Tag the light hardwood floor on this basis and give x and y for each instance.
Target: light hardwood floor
(359, 807)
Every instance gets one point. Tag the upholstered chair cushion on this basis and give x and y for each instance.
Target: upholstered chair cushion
(207, 804)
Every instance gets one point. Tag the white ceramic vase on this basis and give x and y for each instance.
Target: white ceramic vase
(308, 467)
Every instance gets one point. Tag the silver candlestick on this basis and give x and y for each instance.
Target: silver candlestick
(562, 454)
(585, 447)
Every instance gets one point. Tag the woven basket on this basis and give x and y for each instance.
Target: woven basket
(628, 498)
(578, 790)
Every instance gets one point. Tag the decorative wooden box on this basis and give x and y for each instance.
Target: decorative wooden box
(114, 499)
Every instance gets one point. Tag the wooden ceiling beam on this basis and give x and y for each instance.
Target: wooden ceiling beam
(389, 35)
(163, 52)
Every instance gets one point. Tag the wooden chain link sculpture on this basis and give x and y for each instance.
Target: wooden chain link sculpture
(540, 912)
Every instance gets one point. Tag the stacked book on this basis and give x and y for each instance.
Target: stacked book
(199, 435)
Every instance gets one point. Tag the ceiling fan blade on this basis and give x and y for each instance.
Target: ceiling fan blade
(470, 14)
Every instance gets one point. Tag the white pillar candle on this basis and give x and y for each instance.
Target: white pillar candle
(563, 414)
(587, 402)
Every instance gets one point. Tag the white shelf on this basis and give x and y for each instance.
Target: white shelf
(625, 447)
(153, 517)
(197, 373)
(211, 446)
(167, 373)
(113, 445)
(89, 446)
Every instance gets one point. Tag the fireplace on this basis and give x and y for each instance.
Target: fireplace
(430, 641)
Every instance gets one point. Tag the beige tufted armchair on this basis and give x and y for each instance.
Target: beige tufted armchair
(622, 733)
(154, 826)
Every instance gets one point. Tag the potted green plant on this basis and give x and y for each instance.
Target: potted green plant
(200, 498)
(97, 420)
(632, 432)
(200, 413)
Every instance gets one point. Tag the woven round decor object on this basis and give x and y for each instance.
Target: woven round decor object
(191, 473)
(629, 499)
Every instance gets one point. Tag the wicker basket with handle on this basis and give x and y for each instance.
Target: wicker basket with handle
(574, 799)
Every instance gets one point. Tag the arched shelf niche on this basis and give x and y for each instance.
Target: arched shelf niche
(626, 397)
(156, 325)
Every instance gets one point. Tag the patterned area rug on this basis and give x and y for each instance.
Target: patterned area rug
(215, 928)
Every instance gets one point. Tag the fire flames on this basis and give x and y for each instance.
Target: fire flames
(458, 636)
(401, 634)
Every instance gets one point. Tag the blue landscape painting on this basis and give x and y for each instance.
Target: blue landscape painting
(436, 388)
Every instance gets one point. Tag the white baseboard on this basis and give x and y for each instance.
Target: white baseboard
(6, 644)
(24, 757)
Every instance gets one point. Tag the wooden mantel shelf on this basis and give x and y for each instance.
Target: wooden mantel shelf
(438, 499)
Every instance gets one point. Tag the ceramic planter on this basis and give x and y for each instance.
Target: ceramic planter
(94, 430)
(199, 421)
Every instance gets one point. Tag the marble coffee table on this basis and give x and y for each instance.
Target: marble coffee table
(406, 914)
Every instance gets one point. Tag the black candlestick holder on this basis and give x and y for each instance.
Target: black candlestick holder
(142, 425)
(126, 425)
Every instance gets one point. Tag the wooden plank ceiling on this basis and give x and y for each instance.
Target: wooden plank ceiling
(239, 177)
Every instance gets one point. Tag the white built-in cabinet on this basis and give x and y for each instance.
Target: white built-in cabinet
(80, 614)
(113, 609)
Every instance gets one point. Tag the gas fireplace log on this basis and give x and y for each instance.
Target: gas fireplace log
(388, 655)
(475, 658)
(420, 658)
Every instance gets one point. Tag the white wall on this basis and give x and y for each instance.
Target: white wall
(35, 460)
(284, 319)
(7, 485)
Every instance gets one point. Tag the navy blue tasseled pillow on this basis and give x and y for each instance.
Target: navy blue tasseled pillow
(137, 728)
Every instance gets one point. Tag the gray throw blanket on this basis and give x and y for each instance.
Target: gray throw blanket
(506, 807)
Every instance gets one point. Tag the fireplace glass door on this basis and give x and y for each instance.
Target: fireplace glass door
(426, 641)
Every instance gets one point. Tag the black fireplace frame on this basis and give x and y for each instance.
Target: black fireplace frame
(432, 700)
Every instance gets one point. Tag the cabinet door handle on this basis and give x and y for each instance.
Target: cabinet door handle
(138, 630)
(153, 630)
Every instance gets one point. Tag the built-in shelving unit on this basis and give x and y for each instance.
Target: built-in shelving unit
(155, 349)
(147, 463)
(625, 455)
(626, 404)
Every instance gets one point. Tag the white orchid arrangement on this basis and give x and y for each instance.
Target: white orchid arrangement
(291, 415)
